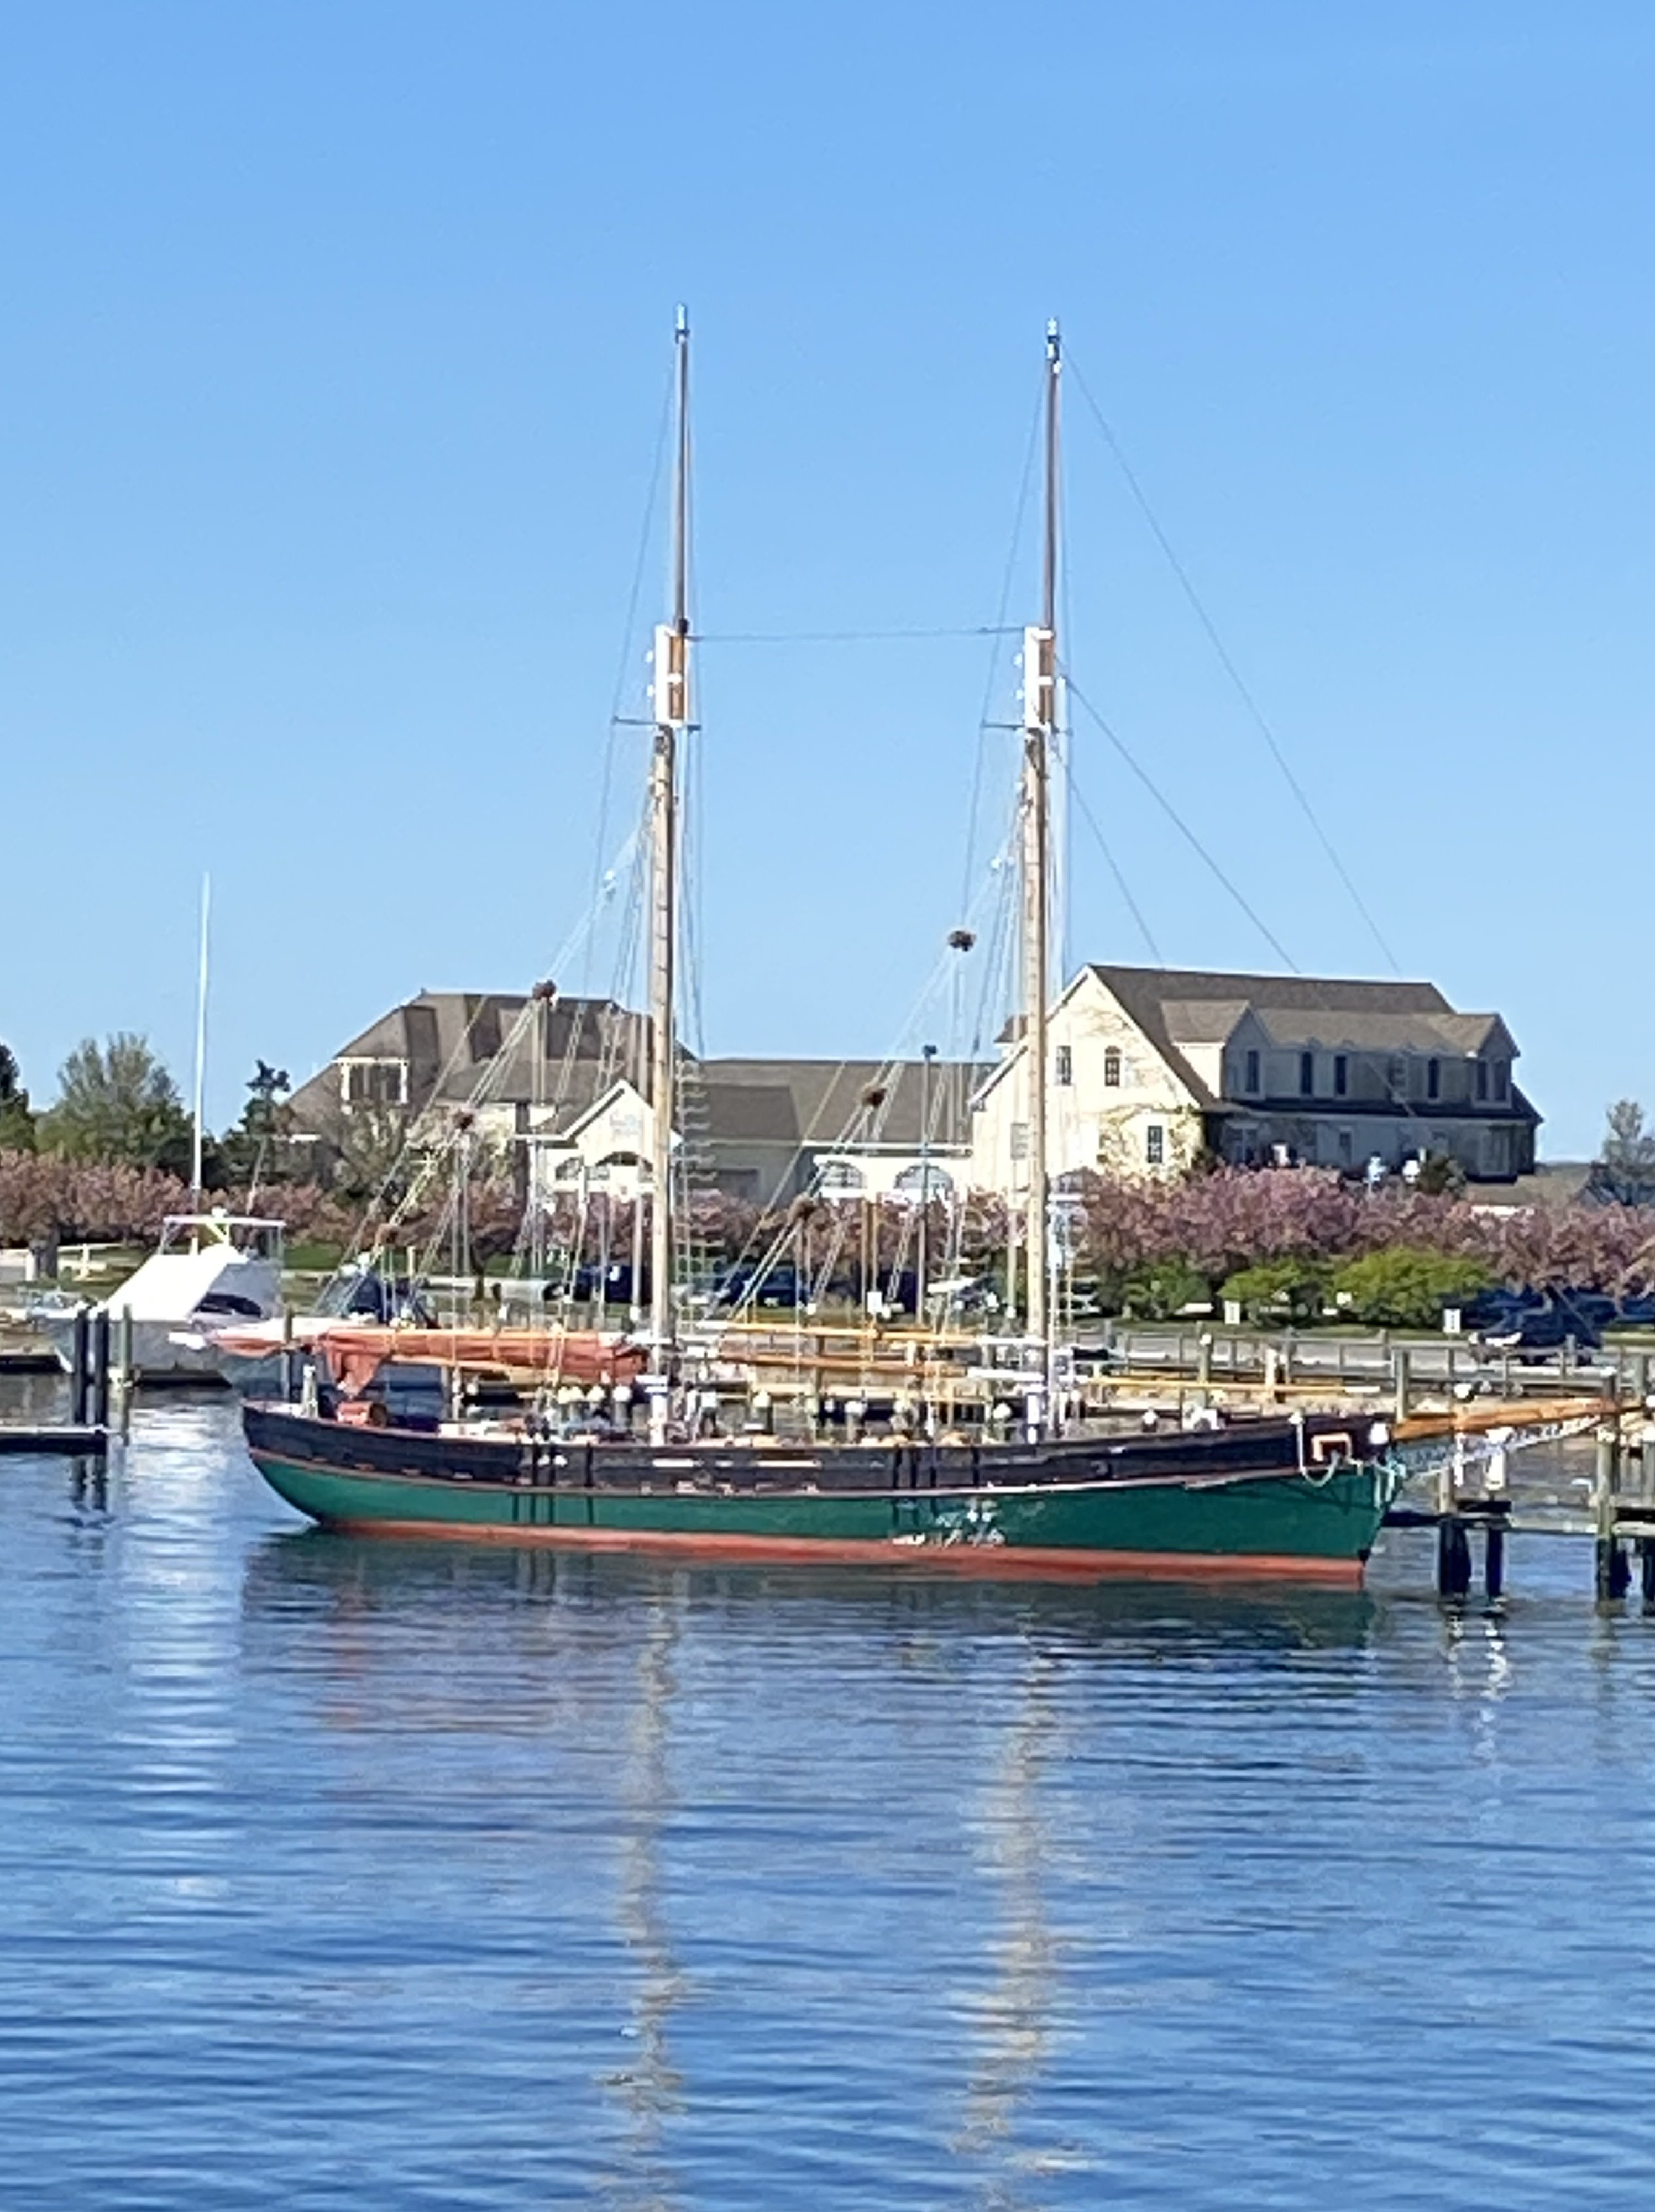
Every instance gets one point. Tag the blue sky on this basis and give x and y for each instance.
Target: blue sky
(331, 367)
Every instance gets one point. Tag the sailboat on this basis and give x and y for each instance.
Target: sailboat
(212, 1267)
(645, 1462)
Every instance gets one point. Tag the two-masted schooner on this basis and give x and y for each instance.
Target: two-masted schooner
(382, 1445)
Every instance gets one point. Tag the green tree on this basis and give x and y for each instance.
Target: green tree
(16, 1120)
(116, 1103)
(1624, 1170)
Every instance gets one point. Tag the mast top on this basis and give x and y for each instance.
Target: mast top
(1054, 340)
(681, 321)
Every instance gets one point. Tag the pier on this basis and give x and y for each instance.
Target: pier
(99, 1385)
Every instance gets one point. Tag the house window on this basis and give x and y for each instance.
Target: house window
(1341, 1075)
(1396, 1076)
(1155, 1145)
(1482, 1081)
(1434, 1079)
(1112, 1068)
(1347, 1145)
(1251, 1084)
(1019, 1140)
(1065, 1064)
(374, 1082)
(839, 1174)
(1502, 1080)
(933, 1183)
(1307, 1074)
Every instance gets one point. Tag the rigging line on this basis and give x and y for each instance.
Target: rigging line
(1078, 799)
(840, 637)
(633, 597)
(1180, 825)
(1254, 709)
(1000, 630)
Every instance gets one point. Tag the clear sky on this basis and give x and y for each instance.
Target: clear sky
(331, 362)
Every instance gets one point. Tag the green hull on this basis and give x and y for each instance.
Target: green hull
(1311, 1528)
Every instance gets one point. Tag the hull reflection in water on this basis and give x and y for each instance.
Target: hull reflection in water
(323, 1579)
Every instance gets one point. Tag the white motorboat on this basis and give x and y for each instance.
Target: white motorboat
(211, 1268)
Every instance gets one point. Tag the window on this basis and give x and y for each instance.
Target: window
(1482, 1081)
(1019, 1140)
(917, 1180)
(1155, 1145)
(1065, 1064)
(1502, 1080)
(1434, 1079)
(1396, 1076)
(1347, 1146)
(374, 1082)
(1341, 1075)
(1112, 1068)
(839, 1174)
(1307, 1074)
(1252, 1082)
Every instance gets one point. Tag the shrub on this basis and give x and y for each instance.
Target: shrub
(1280, 1290)
(1406, 1288)
(1162, 1288)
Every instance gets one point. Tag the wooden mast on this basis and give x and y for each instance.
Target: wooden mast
(1039, 729)
(671, 709)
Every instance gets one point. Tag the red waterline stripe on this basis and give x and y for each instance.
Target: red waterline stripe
(1045, 1561)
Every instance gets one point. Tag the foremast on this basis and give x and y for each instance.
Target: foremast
(670, 695)
(1040, 735)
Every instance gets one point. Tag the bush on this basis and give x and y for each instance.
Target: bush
(1280, 1290)
(1164, 1287)
(1406, 1288)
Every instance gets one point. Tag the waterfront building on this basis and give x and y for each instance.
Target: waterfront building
(1151, 1067)
(571, 1085)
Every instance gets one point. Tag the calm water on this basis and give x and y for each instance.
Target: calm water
(334, 1873)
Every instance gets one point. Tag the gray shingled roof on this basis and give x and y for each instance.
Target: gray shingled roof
(1174, 1005)
(819, 1102)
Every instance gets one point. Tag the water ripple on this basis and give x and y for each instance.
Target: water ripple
(408, 1876)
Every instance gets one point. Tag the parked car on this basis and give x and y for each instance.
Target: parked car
(1543, 1329)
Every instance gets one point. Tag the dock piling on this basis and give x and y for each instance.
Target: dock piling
(98, 1375)
(80, 1346)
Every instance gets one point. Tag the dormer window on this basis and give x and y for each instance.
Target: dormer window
(1250, 1080)
(1482, 1082)
(1434, 1079)
(1341, 1075)
(1111, 1068)
(1307, 1075)
(1502, 1080)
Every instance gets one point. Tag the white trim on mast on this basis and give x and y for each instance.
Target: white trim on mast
(671, 696)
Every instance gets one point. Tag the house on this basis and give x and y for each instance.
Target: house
(1152, 1066)
(570, 1080)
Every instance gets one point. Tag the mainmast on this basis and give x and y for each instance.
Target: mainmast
(671, 705)
(1039, 732)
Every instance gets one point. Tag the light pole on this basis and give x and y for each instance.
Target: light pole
(928, 1053)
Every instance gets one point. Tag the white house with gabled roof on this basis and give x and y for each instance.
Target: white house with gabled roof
(1151, 1068)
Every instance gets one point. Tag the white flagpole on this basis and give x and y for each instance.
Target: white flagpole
(200, 1046)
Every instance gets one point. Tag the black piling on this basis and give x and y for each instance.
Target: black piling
(97, 1407)
(1493, 1561)
(1614, 1568)
(80, 1348)
(1453, 1559)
